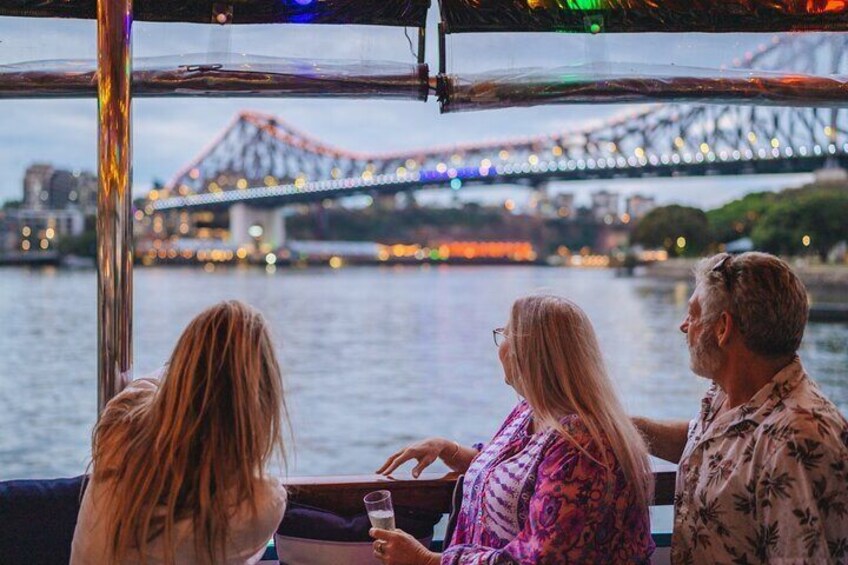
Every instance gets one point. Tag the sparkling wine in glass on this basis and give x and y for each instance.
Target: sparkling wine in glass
(380, 511)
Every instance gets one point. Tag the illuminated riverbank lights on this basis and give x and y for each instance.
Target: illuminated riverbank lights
(513, 251)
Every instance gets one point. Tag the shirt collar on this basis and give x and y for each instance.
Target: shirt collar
(760, 406)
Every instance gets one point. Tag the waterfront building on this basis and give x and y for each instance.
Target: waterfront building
(36, 186)
(46, 188)
(605, 206)
(25, 230)
(564, 205)
(611, 237)
(73, 189)
(638, 206)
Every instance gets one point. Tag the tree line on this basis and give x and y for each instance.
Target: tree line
(811, 219)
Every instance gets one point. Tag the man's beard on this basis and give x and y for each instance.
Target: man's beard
(705, 356)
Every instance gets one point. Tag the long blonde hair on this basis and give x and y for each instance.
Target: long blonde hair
(559, 370)
(200, 446)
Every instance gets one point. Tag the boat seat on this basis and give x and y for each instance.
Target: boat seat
(37, 519)
(315, 536)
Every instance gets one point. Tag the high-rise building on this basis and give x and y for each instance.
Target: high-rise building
(564, 205)
(75, 189)
(46, 188)
(605, 206)
(36, 186)
(638, 206)
(87, 191)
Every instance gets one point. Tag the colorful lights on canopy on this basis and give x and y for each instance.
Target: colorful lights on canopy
(400, 13)
(748, 83)
(634, 16)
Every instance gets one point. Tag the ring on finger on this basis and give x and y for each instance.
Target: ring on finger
(379, 546)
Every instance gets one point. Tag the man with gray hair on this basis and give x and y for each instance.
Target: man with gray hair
(763, 470)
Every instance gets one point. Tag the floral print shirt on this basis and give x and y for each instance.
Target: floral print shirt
(537, 498)
(765, 482)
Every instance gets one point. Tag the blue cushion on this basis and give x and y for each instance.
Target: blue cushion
(313, 536)
(37, 519)
(308, 522)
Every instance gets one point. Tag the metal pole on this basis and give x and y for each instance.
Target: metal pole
(114, 219)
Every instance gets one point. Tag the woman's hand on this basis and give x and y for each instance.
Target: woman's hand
(425, 452)
(396, 547)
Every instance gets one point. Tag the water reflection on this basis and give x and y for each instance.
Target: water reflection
(373, 357)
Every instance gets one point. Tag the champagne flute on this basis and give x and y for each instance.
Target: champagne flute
(380, 511)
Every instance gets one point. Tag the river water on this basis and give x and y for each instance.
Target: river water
(373, 357)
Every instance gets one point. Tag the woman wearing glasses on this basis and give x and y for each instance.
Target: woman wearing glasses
(566, 479)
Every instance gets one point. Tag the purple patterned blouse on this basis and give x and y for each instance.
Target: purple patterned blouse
(536, 498)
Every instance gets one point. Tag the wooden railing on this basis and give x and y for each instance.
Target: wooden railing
(432, 491)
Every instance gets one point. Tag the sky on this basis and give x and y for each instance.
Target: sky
(168, 133)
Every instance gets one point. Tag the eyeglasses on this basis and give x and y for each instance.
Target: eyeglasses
(723, 268)
(499, 335)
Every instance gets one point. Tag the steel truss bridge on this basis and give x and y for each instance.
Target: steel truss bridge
(261, 161)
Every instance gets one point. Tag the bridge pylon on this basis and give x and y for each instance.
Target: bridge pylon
(252, 227)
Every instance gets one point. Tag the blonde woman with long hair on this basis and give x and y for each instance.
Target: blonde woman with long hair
(566, 479)
(179, 465)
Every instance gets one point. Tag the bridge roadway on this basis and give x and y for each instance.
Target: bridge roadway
(775, 161)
